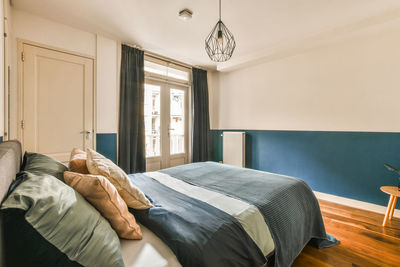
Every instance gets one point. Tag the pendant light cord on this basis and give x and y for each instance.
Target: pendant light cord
(219, 9)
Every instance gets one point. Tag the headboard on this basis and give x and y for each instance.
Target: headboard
(10, 163)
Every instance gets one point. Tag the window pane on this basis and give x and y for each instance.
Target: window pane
(178, 74)
(166, 71)
(155, 68)
(152, 120)
(177, 121)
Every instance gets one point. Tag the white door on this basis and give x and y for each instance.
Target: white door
(57, 102)
(166, 125)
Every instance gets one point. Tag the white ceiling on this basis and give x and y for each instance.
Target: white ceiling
(255, 24)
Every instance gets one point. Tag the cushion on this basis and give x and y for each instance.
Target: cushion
(24, 246)
(105, 198)
(39, 163)
(66, 220)
(77, 161)
(99, 165)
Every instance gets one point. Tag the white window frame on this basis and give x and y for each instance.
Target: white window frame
(171, 81)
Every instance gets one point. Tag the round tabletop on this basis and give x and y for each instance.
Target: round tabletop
(391, 190)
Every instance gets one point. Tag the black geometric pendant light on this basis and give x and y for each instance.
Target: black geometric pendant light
(220, 42)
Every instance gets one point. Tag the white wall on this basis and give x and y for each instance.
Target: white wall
(213, 84)
(107, 81)
(351, 85)
(7, 60)
(33, 28)
(2, 95)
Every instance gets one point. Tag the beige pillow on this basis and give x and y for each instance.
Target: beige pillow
(99, 165)
(105, 198)
(77, 161)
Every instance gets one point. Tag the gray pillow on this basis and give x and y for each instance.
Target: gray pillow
(66, 220)
(38, 163)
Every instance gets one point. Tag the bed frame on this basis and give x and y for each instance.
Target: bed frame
(10, 163)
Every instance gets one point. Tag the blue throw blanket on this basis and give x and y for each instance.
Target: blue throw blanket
(201, 235)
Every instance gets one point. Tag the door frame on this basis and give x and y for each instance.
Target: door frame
(20, 77)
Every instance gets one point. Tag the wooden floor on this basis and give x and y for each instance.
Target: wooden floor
(363, 241)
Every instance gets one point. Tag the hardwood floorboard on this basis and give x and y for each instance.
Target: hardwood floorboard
(363, 240)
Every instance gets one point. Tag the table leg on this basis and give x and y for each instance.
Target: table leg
(393, 207)
(389, 207)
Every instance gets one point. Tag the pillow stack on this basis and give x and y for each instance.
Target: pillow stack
(48, 223)
(105, 198)
(99, 165)
(108, 188)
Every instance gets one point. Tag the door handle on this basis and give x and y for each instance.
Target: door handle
(87, 133)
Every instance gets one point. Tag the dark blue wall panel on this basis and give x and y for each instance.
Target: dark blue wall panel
(106, 144)
(1, 139)
(348, 164)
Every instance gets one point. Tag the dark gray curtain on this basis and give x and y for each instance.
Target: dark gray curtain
(131, 142)
(201, 117)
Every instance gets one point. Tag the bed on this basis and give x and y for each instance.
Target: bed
(210, 214)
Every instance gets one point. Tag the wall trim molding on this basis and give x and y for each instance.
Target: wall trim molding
(355, 203)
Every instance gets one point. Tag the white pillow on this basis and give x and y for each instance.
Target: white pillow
(97, 164)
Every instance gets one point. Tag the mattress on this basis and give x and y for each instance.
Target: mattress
(148, 252)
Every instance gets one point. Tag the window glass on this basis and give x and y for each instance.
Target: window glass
(178, 74)
(152, 120)
(167, 71)
(177, 121)
(155, 68)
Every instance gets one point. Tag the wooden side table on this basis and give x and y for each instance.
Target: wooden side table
(394, 193)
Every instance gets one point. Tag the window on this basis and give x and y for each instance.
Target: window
(177, 121)
(155, 68)
(166, 113)
(152, 120)
(166, 71)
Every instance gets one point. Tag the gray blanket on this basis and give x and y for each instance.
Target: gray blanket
(288, 204)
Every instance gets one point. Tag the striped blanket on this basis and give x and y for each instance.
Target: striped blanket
(211, 214)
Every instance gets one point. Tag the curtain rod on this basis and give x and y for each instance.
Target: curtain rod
(167, 59)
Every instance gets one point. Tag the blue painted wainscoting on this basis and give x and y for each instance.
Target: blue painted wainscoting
(347, 164)
(106, 144)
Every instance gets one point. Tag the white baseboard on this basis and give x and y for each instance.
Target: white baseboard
(355, 203)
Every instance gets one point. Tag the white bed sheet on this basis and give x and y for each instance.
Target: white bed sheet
(148, 252)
